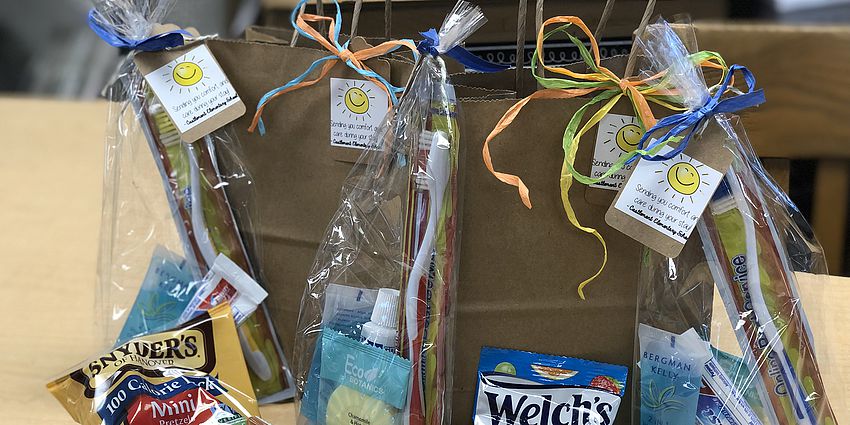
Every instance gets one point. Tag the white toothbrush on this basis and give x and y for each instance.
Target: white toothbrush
(255, 359)
(199, 225)
(798, 399)
(738, 199)
(435, 179)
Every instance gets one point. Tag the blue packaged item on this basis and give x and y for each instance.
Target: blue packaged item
(166, 290)
(347, 308)
(671, 370)
(520, 387)
(360, 384)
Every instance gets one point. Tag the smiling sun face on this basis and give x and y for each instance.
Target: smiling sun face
(187, 74)
(624, 134)
(683, 178)
(356, 99)
(628, 137)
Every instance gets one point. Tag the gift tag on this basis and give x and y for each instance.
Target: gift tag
(661, 201)
(618, 135)
(357, 109)
(192, 88)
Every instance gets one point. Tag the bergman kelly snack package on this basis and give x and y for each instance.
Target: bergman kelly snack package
(193, 374)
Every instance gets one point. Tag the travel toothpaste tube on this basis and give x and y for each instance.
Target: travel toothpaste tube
(520, 387)
(226, 282)
(671, 369)
(720, 397)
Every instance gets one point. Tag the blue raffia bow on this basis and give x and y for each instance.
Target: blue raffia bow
(151, 44)
(690, 121)
(428, 46)
(341, 47)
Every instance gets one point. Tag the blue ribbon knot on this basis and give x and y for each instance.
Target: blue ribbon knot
(428, 46)
(151, 44)
(690, 121)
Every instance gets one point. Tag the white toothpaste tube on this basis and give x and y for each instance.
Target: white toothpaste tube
(226, 281)
(722, 403)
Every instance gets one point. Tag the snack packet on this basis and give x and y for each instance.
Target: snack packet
(226, 282)
(166, 290)
(530, 388)
(191, 375)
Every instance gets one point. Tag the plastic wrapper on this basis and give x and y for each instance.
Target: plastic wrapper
(191, 374)
(167, 215)
(373, 343)
(751, 359)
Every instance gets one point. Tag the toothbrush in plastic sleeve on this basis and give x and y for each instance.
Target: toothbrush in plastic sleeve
(436, 179)
(758, 292)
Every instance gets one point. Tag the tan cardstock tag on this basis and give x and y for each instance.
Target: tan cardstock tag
(192, 87)
(661, 201)
(617, 134)
(352, 123)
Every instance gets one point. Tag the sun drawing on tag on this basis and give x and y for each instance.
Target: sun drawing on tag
(625, 135)
(186, 73)
(683, 177)
(356, 100)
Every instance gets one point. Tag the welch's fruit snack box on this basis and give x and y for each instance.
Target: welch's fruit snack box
(520, 387)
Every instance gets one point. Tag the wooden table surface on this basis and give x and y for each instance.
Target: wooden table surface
(52, 172)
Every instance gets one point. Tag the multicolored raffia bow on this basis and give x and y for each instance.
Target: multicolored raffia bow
(339, 52)
(640, 91)
(691, 121)
(154, 43)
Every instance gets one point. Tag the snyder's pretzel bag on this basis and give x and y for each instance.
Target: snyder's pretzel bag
(191, 375)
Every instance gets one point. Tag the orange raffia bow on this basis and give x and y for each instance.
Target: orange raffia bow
(640, 91)
(556, 88)
(339, 52)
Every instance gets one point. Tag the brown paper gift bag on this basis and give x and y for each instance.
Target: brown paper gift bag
(298, 174)
(520, 268)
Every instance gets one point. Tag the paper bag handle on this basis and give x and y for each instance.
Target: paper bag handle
(355, 18)
(600, 28)
(388, 12)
